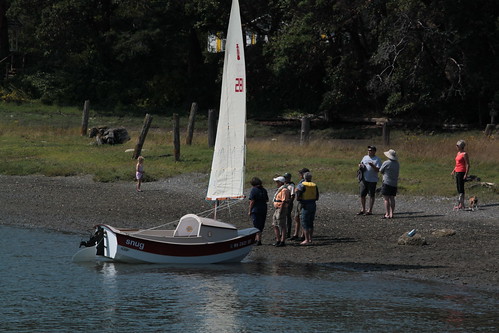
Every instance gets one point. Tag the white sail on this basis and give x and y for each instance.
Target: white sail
(227, 170)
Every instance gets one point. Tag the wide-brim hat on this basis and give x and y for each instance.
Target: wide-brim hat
(391, 154)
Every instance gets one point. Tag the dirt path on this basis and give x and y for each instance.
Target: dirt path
(342, 239)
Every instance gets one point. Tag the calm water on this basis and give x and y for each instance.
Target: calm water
(43, 291)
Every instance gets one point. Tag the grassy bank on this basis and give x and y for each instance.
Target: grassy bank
(36, 139)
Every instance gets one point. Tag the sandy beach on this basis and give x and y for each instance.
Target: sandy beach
(341, 238)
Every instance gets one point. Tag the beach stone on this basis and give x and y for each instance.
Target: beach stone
(444, 233)
(417, 239)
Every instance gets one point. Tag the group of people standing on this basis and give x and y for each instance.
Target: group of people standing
(370, 166)
(286, 212)
(297, 202)
(306, 193)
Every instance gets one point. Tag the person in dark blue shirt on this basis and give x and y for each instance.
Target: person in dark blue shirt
(258, 199)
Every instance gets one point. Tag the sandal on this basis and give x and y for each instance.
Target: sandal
(360, 213)
(368, 213)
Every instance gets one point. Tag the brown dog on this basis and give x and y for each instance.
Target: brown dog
(473, 202)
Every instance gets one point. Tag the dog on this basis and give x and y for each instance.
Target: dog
(473, 203)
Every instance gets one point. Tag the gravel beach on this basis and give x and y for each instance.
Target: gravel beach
(341, 238)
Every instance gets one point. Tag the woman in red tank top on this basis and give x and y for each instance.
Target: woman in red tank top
(461, 171)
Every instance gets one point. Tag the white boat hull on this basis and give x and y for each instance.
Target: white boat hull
(132, 247)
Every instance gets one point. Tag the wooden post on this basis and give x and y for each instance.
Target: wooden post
(489, 129)
(84, 118)
(305, 130)
(212, 128)
(176, 137)
(142, 137)
(190, 125)
(386, 134)
(493, 114)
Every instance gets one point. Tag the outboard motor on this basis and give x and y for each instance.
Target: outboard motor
(96, 238)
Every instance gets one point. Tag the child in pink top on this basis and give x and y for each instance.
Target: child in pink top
(139, 172)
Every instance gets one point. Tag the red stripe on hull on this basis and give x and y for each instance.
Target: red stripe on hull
(184, 250)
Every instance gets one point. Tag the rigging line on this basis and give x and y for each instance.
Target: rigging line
(223, 207)
(206, 212)
(156, 227)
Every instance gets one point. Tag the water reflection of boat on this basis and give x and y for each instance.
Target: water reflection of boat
(197, 240)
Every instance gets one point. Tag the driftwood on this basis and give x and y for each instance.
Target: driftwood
(111, 136)
(443, 232)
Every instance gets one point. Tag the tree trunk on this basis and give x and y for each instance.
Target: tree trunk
(4, 30)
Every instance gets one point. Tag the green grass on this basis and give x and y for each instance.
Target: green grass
(37, 139)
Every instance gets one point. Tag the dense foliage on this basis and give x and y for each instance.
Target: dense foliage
(412, 59)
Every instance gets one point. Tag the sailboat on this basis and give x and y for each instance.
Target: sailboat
(196, 239)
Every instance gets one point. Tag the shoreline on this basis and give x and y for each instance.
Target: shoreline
(341, 239)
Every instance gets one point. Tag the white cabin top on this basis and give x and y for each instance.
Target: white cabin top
(191, 224)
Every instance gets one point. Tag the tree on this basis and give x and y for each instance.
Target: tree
(4, 37)
(399, 58)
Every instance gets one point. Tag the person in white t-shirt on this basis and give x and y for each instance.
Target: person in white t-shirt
(370, 166)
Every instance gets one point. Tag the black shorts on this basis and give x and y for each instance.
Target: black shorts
(259, 220)
(460, 182)
(388, 190)
(367, 187)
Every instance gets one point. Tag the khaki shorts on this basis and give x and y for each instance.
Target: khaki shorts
(297, 209)
(279, 217)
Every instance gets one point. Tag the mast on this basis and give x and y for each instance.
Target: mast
(227, 170)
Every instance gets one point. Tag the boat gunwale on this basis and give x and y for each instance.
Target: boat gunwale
(170, 240)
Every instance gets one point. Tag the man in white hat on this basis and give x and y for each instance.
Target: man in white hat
(281, 199)
(390, 171)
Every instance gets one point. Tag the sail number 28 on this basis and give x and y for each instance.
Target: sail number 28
(239, 86)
